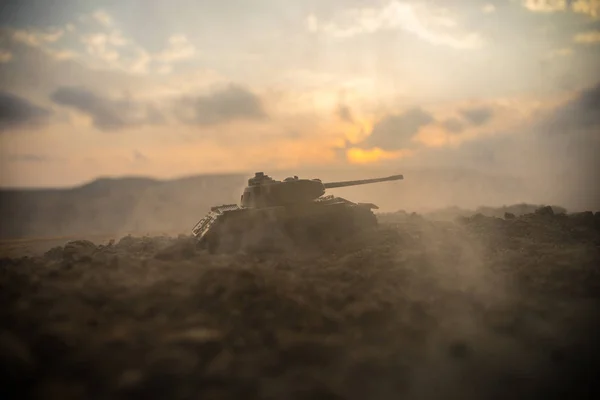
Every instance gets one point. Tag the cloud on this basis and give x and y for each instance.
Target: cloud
(343, 112)
(556, 153)
(432, 25)
(357, 155)
(434, 136)
(105, 46)
(587, 7)
(116, 51)
(312, 23)
(5, 56)
(108, 47)
(488, 8)
(453, 125)
(36, 38)
(107, 114)
(562, 52)
(569, 141)
(587, 37)
(45, 41)
(16, 112)
(477, 116)
(36, 72)
(394, 132)
(579, 114)
(233, 102)
(545, 6)
(445, 126)
(179, 49)
(103, 18)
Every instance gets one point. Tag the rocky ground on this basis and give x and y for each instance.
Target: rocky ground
(478, 308)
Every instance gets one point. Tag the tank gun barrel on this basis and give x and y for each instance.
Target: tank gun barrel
(332, 185)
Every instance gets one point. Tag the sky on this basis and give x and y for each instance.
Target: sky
(172, 88)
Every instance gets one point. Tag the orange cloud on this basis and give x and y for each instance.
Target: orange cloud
(434, 136)
(359, 130)
(587, 37)
(357, 155)
(587, 7)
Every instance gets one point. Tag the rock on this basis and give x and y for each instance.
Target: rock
(78, 250)
(182, 249)
(55, 253)
(508, 215)
(478, 217)
(584, 218)
(547, 211)
(415, 217)
(143, 245)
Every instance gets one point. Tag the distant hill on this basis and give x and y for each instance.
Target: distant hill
(114, 206)
(138, 205)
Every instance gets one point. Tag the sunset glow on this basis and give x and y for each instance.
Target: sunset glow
(90, 89)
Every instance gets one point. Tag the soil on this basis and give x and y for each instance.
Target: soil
(477, 308)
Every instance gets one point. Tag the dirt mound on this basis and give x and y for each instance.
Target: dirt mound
(452, 213)
(482, 308)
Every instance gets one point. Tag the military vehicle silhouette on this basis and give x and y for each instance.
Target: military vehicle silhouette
(294, 209)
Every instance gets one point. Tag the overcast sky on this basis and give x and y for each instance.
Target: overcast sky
(175, 87)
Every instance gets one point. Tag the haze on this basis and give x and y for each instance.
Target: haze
(173, 88)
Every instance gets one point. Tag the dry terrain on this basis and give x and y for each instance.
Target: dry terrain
(477, 308)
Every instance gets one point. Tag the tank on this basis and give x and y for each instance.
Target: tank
(294, 210)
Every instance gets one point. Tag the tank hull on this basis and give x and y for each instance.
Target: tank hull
(230, 228)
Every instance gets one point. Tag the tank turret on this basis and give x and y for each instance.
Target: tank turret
(264, 191)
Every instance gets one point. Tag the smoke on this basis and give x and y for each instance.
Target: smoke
(455, 285)
(477, 330)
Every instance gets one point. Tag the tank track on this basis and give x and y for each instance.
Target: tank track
(229, 228)
(204, 225)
